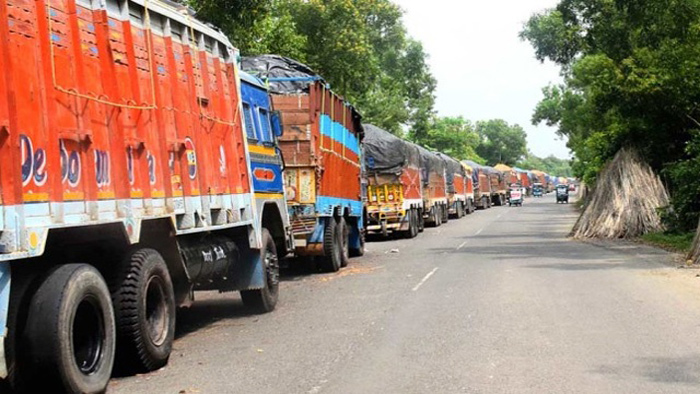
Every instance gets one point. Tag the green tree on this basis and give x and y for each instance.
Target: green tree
(501, 142)
(453, 136)
(630, 79)
(359, 46)
(551, 165)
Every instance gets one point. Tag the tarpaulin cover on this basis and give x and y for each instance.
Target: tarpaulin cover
(452, 167)
(430, 163)
(298, 76)
(386, 153)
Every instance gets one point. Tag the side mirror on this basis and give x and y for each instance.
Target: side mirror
(276, 120)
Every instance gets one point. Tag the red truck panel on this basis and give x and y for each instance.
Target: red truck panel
(436, 187)
(94, 108)
(304, 145)
(410, 179)
(524, 180)
(469, 184)
(484, 183)
(460, 186)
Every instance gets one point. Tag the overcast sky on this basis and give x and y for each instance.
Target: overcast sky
(483, 69)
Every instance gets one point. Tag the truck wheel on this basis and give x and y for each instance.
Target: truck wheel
(332, 258)
(344, 232)
(264, 300)
(421, 220)
(445, 214)
(412, 225)
(70, 333)
(144, 307)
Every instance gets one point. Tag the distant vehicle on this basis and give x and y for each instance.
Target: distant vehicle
(562, 194)
(516, 197)
(537, 190)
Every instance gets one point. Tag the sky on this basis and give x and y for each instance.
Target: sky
(484, 71)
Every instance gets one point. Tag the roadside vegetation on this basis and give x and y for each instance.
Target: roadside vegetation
(631, 79)
(675, 242)
(366, 54)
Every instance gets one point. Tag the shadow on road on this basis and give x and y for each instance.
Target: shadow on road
(207, 312)
(672, 370)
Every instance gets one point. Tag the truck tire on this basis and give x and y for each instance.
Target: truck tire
(332, 258)
(445, 214)
(344, 232)
(412, 231)
(264, 300)
(70, 332)
(421, 220)
(144, 307)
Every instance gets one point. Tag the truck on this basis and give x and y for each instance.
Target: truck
(459, 201)
(322, 157)
(434, 182)
(499, 187)
(125, 187)
(394, 189)
(482, 185)
(524, 180)
(469, 187)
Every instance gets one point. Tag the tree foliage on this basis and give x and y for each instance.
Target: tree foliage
(454, 136)
(360, 46)
(552, 165)
(501, 142)
(631, 78)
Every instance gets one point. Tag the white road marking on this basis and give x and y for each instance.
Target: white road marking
(425, 279)
(479, 232)
(461, 245)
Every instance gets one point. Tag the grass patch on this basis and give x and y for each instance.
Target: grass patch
(673, 242)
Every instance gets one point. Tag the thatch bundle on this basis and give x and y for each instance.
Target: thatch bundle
(625, 201)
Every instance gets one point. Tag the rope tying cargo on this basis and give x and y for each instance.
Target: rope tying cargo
(130, 104)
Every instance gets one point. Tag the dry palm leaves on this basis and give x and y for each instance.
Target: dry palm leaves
(625, 201)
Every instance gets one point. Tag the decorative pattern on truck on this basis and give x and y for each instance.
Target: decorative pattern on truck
(143, 122)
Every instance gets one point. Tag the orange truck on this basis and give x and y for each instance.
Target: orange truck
(322, 158)
(394, 189)
(499, 187)
(482, 184)
(460, 200)
(125, 186)
(435, 204)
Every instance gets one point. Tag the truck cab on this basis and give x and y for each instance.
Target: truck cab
(263, 128)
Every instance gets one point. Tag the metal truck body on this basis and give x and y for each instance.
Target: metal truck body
(394, 188)
(482, 185)
(435, 205)
(321, 150)
(459, 201)
(499, 187)
(125, 185)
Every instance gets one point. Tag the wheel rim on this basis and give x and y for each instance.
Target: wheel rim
(157, 316)
(88, 335)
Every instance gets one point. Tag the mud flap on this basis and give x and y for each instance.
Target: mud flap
(4, 308)
(249, 272)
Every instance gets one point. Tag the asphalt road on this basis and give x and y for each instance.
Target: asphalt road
(498, 302)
